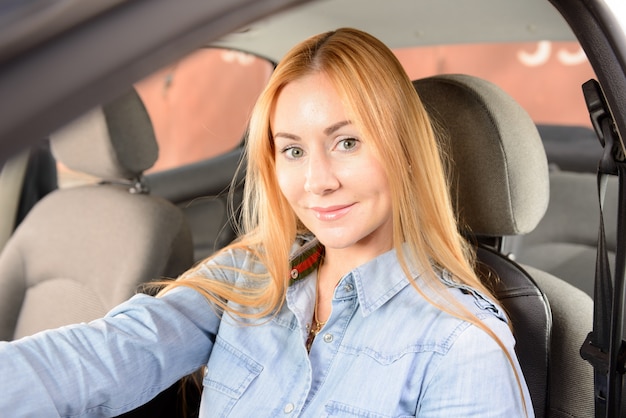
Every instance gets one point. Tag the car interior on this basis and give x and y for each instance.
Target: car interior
(209, 196)
(525, 193)
(498, 194)
(48, 282)
(481, 123)
(24, 180)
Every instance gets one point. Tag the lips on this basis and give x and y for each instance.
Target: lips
(331, 213)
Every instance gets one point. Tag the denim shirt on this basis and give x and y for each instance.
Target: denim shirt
(384, 352)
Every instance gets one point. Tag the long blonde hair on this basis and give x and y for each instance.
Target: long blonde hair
(380, 97)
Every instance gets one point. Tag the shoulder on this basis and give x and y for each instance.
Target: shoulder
(228, 265)
(476, 302)
(451, 310)
(243, 258)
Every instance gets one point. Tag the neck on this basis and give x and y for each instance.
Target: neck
(340, 261)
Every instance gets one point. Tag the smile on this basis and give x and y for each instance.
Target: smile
(331, 213)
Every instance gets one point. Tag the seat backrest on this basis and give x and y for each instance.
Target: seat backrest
(205, 193)
(499, 186)
(82, 250)
(565, 241)
(24, 180)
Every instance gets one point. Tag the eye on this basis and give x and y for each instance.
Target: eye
(293, 152)
(347, 144)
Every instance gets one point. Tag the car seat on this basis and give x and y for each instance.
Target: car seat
(24, 180)
(204, 191)
(82, 250)
(565, 241)
(499, 187)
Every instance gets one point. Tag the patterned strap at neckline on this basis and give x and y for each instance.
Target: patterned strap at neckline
(305, 262)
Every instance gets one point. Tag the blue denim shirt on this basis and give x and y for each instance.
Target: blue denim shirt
(384, 352)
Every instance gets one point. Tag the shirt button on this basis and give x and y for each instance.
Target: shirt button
(328, 338)
(294, 273)
(289, 408)
(348, 287)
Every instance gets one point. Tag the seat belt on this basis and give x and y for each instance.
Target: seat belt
(604, 346)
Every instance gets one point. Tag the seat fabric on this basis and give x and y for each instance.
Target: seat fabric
(205, 193)
(564, 243)
(24, 180)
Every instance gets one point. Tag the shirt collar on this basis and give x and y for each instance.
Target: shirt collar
(375, 282)
(379, 280)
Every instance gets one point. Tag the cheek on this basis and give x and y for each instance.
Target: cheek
(376, 180)
(287, 182)
(367, 174)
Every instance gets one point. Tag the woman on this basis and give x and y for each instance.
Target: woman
(349, 293)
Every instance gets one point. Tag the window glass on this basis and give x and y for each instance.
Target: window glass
(544, 77)
(200, 105)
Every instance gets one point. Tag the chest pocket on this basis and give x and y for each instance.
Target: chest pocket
(229, 373)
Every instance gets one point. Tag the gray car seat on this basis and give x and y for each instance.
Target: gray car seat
(204, 191)
(499, 185)
(24, 180)
(82, 250)
(565, 241)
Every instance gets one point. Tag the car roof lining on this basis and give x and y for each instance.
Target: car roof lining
(108, 66)
(426, 22)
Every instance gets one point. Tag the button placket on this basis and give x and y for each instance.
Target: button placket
(325, 351)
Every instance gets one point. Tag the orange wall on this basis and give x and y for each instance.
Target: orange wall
(545, 78)
(200, 105)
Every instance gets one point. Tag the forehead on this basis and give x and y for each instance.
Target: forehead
(308, 101)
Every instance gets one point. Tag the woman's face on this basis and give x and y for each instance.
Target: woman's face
(328, 171)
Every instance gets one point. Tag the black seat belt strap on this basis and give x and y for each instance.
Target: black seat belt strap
(604, 346)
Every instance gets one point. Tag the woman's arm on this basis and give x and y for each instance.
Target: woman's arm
(110, 365)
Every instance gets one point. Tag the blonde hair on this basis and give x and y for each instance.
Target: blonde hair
(380, 97)
(381, 100)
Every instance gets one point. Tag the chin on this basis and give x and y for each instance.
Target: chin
(334, 242)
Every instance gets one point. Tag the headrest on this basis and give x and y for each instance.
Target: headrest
(499, 174)
(115, 141)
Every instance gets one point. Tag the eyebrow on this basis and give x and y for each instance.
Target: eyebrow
(335, 127)
(328, 131)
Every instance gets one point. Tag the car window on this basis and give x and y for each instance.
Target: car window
(200, 105)
(544, 77)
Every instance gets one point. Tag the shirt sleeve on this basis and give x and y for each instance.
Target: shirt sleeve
(111, 365)
(475, 378)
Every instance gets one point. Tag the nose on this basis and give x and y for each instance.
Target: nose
(320, 176)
